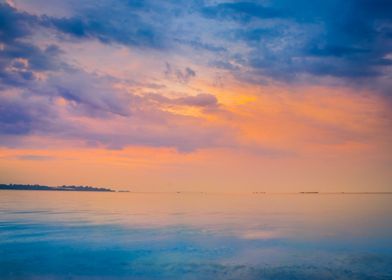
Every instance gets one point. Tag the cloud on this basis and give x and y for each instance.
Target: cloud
(127, 27)
(89, 94)
(21, 115)
(242, 11)
(288, 39)
(198, 44)
(199, 100)
(135, 33)
(34, 157)
(13, 24)
(181, 76)
(147, 125)
(48, 88)
(284, 40)
(130, 23)
(87, 108)
(21, 62)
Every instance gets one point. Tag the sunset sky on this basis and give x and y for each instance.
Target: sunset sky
(197, 95)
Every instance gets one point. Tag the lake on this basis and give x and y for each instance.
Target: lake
(88, 235)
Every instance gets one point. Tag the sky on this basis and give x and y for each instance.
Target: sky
(197, 95)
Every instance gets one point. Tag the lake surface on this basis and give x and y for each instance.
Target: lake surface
(86, 235)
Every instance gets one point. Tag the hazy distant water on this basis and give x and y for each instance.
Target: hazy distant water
(75, 235)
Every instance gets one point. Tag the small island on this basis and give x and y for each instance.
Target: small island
(48, 188)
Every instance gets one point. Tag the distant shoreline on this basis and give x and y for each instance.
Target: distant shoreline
(21, 187)
(35, 187)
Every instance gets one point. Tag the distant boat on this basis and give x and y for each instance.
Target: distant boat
(309, 192)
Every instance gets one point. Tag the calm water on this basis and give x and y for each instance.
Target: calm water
(75, 235)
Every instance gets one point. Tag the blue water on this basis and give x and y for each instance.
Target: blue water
(61, 235)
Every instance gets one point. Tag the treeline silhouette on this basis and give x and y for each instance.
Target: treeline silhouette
(48, 188)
